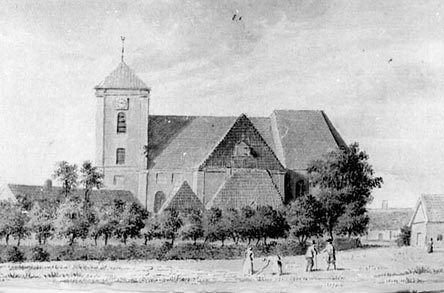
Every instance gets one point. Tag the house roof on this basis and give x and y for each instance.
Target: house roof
(305, 136)
(298, 138)
(433, 207)
(261, 156)
(181, 198)
(388, 219)
(38, 194)
(122, 78)
(247, 188)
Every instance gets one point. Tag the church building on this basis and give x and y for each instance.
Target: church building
(203, 161)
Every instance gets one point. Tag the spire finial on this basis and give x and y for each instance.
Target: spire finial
(123, 45)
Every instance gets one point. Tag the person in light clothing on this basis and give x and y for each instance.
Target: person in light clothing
(248, 262)
(331, 254)
(310, 255)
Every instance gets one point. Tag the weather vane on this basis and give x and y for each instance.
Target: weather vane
(123, 45)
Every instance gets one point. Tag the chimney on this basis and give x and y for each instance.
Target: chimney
(47, 185)
(385, 204)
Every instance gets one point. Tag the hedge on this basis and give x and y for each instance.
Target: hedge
(163, 251)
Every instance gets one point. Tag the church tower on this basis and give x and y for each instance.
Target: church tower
(122, 130)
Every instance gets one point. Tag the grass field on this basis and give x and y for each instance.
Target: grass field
(386, 269)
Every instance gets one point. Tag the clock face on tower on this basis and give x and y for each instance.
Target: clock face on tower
(122, 103)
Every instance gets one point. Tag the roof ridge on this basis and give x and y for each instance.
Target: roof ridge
(206, 158)
(336, 136)
(274, 184)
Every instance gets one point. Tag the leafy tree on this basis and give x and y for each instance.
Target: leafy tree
(247, 229)
(13, 221)
(24, 202)
(269, 223)
(354, 221)
(305, 217)
(192, 227)
(18, 224)
(104, 223)
(151, 229)
(131, 220)
(90, 177)
(67, 175)
(6, 210)
(235, 224)
(216, 226)
(170, 223)
(71, 222)
(344, 177)
(41, 223)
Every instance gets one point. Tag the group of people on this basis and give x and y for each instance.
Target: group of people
(276, 261)
(312, 252)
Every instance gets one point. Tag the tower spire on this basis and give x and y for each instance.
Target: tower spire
(123, 45)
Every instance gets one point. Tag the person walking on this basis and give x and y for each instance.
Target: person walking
(331, 254)
(248, 262)
(430, 246)
(310, 255)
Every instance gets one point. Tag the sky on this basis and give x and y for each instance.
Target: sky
(375, 67)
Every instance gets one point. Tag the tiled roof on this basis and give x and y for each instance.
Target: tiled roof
(389, 219)
(305, 136)
(41, 195)
(185, 142)
(182, 197)
(433, 207)
(243, 131)
(248, 187)
(122, 78)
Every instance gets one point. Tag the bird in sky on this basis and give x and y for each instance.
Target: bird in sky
(236, 16)
(390, 60)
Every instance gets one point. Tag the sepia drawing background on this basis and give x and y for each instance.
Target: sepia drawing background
(375, 67)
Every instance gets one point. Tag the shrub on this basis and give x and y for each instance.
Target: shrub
(202, 251)
(404, 236)
(13, 254)
(63, 253)
(39, 254)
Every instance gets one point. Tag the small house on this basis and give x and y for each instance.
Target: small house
(428, 221)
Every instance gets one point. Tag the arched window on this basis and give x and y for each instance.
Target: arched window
(300, 188)
(159, 199)
(120, 156)
(121, 122)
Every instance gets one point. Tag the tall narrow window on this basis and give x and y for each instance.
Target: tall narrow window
(121, 122)
(300, 188)
(120, 156)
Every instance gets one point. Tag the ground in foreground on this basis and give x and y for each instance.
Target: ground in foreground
(388, 269)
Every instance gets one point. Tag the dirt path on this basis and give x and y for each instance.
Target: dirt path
(367, 270)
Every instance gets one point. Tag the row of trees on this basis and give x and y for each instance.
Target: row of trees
(343, 178)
